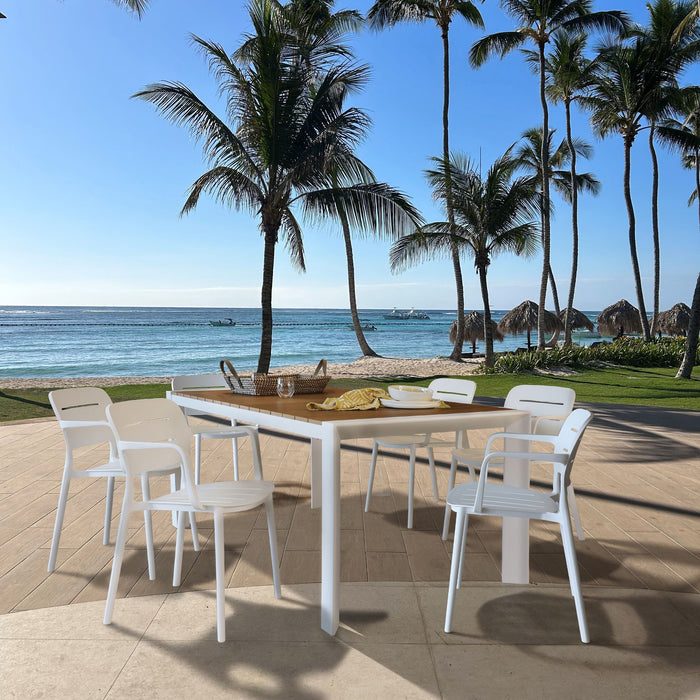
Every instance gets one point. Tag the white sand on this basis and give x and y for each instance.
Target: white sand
(363, 367)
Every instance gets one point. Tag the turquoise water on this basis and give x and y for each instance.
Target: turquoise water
(71, 341)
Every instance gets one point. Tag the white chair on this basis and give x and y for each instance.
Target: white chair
(151, 433)
(490, 498)
(549, 406)
(446, 389)
(81, 414)
(212, 381)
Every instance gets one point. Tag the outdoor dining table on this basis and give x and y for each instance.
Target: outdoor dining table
(327, 429)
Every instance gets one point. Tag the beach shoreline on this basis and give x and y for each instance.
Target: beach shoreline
(364, 367)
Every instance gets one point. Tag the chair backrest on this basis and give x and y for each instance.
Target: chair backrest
(548, 405)
(82, 405)
(453, 390)
(156, 421)
(569, 438)
(189, 382)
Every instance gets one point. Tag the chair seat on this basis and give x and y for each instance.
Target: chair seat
(225, 495)
(218, 431)
(402, 441)
(113, 468)
(501, 499)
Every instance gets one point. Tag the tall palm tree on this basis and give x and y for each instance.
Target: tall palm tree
(539, 19)
(492, 215)
(290, 132)
(320, 33)
(569, 75)
(529, 158)
(691, 343)
(626, 86)
(674, 44)
(386, 13)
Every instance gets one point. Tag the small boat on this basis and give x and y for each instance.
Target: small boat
(225, 322)
(407, 315)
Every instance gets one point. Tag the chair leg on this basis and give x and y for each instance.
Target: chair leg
(60, 513)
(574, 511)
(122, 534)
(411, 484)
(454, 569)
(234, 447)
(220, 573)
(197, 457)
(462, 550)
(195, 531)
(431, 462)
(272, 531)
(372, 467)
(148, 524)
(179, 544)
(257, 458)
(567, 537)
(450, 486)
(108, 509)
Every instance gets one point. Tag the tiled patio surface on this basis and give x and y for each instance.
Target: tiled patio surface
(637, 478)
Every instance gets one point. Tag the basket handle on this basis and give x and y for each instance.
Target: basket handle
(233, 371)
(322, 365)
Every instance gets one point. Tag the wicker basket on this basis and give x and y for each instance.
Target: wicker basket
(256, 384)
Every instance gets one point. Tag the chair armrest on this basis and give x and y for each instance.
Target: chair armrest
(84, 424)
(555, 457)
(529, 437)
(555, 416)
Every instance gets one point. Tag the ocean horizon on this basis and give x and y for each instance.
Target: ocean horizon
(102, 341)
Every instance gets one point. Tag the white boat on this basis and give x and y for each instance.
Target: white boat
(407, 315)
(225, 322)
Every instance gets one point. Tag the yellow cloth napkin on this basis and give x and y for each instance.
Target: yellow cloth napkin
(353, 400)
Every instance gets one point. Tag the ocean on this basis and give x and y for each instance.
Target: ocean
(82, 341)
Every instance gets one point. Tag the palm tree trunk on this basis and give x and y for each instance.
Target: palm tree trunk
(266, 302)
(633, 240)
(574, 227)
(655, 224)
(488, 330)
(545, 203)
(456, 265)
(555, 302)
(357, 326)
(697, 177)
(691, 343)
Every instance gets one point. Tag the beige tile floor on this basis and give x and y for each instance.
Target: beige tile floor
(638, 484)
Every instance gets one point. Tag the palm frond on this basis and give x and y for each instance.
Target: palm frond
(501, 44)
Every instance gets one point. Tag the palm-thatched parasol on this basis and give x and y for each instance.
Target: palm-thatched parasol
(474, 329)
(524, 318)
(618, 319)
(674, 321)
(578, 319)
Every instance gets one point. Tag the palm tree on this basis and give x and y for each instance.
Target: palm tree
(691, 343)
(386, 13)
(539, 19)
(673, 41)
(529, 157)
(569, 74)
(492, 215)
(626, 86)
(290, 134)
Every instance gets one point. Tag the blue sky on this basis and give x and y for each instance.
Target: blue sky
(92, 182)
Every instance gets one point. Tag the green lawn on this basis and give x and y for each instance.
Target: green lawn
(624, 385)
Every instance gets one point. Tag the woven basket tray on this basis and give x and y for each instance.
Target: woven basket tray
(256, 384)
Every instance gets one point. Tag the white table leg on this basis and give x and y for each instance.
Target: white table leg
(515, 558)
(316, 472)
(330, 533)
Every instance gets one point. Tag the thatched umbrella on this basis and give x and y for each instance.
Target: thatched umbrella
(474, 329)
(524, 318)
(618, 319)
(674, 321)
(578, 319)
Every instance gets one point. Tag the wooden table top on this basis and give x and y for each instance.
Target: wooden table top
(295, 406)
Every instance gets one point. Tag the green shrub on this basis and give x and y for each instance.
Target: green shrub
(631, 352)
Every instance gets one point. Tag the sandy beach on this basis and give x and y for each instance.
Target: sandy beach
(362, 367)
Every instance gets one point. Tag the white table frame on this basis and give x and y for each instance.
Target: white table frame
(326, 435)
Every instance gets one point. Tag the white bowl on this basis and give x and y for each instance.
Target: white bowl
(400, 392)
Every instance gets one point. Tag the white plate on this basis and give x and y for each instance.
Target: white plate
(391, 403)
